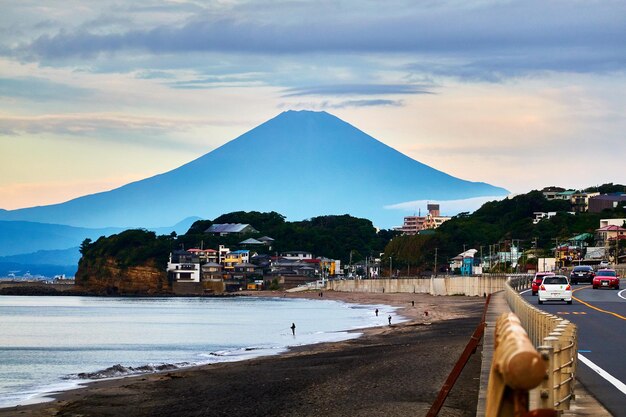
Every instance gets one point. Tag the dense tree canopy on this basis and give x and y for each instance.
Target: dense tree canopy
(499, 223)
(344, 237)
(338, 237)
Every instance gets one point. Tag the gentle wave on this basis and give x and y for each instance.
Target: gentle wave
(121, 370)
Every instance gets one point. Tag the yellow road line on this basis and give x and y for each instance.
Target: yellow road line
(594, 307)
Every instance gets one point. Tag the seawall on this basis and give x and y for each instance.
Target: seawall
(446, 285)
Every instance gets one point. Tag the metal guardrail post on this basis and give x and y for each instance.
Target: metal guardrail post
(546, 391)
(568, 363)
(554, 341)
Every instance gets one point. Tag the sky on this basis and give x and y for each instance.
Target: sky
(518, 94)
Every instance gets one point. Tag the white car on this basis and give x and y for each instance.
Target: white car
(555, 288)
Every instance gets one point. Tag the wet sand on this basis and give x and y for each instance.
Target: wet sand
(394, 370)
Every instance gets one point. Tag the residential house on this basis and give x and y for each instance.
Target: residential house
(550, 193)
(606, 201)
(204, 255)
(369, 268)
(608, 234)
(183, 267)
(297, 255)
(580, 201)
(577, 246)
(465, 262)
(286, 266)
(244, 272)
(566, 195)
(212, 271)
(235, 257)
(330, 267)
(251, 242)
(268, 241)
(222, 251)
(540, 215)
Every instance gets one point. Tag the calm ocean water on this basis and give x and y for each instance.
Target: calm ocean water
(48, 344)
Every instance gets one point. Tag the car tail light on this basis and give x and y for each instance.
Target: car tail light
(543, 288)
(568, 288)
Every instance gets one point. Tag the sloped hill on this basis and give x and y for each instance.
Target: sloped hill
(301, 164)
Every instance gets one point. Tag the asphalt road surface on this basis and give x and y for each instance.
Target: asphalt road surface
(600, 316)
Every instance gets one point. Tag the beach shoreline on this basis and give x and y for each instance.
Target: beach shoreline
(143, 394)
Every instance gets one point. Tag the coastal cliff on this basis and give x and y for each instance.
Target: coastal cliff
(108, 277)
(130, 263)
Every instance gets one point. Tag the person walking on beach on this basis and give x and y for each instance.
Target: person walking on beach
(389, 318)
(293, 328)
(376, 312)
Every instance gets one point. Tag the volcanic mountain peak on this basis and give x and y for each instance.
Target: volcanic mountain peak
(300, 164)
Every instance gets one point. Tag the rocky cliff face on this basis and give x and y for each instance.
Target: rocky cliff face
(107, 277)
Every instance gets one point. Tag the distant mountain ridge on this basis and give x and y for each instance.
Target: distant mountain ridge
(300, 163)
(21, 237)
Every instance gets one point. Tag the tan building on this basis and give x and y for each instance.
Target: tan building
(414, 224)
(580, 201)
(606, 235)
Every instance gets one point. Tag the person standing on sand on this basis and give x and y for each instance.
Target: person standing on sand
(376, 312)
(389, 318)
(293, 328)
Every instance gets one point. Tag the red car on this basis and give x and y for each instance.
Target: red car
(537, 280)
(606, 278)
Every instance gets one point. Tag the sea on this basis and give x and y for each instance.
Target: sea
(52, 344)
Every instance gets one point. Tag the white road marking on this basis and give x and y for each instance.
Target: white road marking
(621, 294)
(604, 374)
(525, 291)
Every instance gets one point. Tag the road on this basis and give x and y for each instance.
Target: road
(600, 316)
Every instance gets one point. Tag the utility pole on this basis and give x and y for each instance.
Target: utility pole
(556, 252)
(435, 262)
(390, 266)
(481, 258)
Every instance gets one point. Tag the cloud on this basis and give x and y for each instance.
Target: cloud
(448, 207)
(356, 89)
(218, 81)
(86, 124)
(366, 103)
(40, 89)
(330, 104)
(487, 40)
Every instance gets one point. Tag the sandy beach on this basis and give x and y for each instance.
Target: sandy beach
(392, 370)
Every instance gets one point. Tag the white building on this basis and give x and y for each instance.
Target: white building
(183, 267)
(297, 255)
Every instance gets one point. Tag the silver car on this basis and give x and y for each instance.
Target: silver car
(555, 288)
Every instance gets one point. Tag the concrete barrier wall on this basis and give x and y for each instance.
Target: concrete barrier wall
(448, 285)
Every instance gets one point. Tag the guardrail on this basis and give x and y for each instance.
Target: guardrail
(556, 340)
(516, 368)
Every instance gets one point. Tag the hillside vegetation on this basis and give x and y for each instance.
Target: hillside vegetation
(499, 223)
(336, 237)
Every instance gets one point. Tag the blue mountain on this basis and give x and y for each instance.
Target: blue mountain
(300, 164)
(22, 238)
